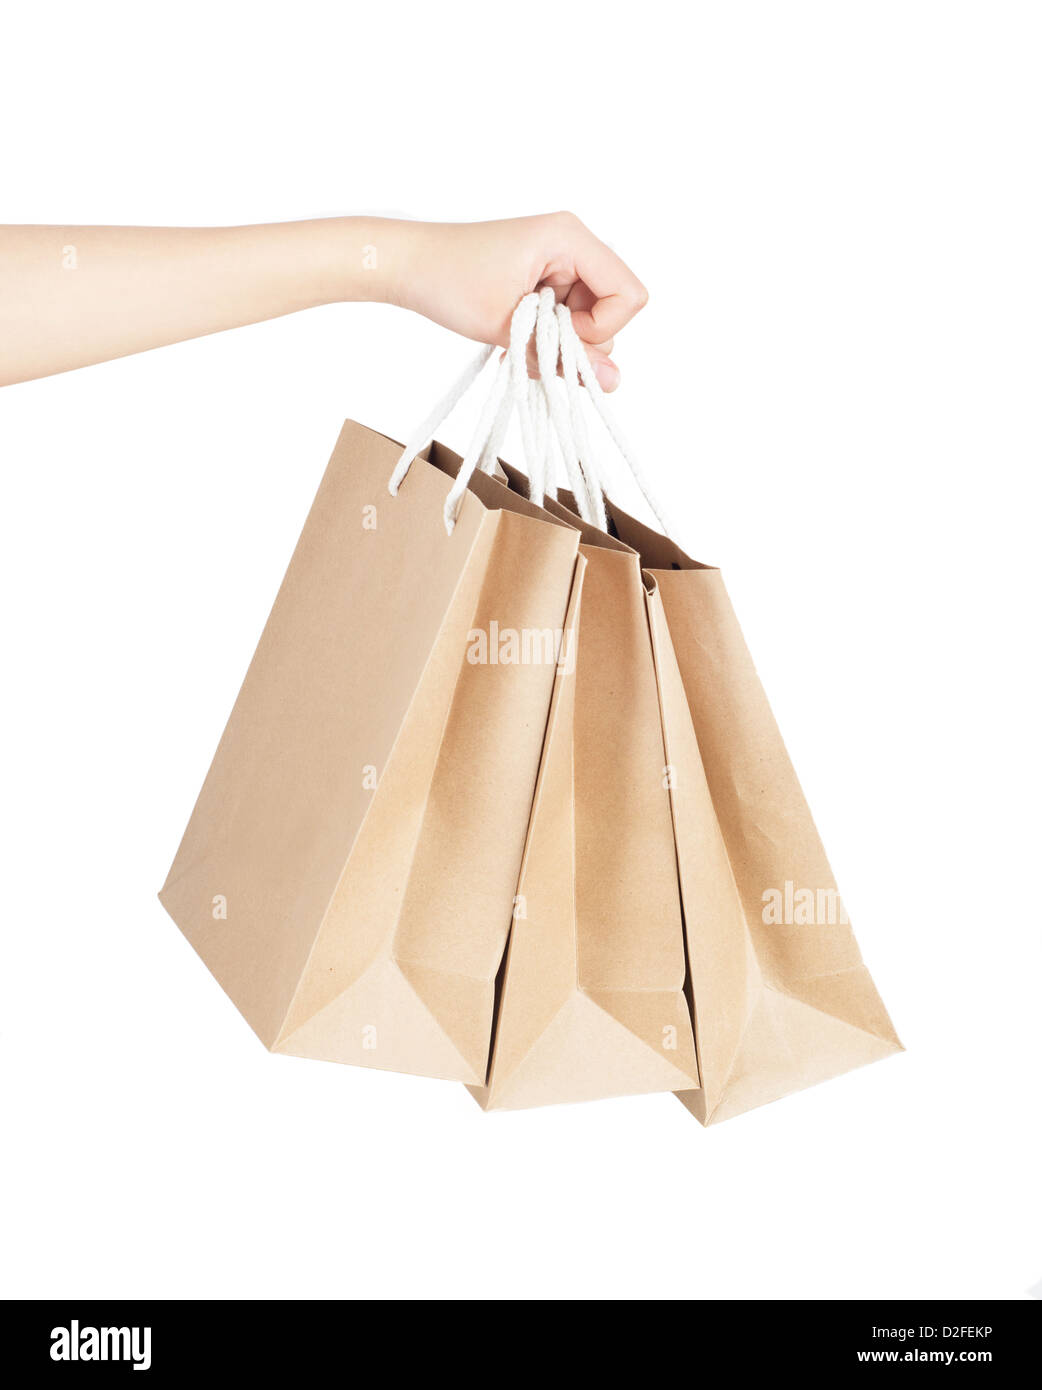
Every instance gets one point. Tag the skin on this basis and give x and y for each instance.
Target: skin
(71, 296)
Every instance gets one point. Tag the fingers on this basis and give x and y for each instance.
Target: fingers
(579, 300)
(608, 295)
(608, 374)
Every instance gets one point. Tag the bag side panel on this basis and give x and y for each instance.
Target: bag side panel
(816, 1012)
(337, 665)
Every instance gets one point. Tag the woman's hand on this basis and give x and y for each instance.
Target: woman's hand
(469, 276)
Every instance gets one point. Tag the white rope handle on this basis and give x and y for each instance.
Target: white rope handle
(548, 347)
(543, 415)
(510, 390)
(570, 373)
(522, 325)
(573, 353)
(423, 435)
(535, 422)
(472, 457)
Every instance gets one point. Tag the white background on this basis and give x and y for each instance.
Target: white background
(835, 386)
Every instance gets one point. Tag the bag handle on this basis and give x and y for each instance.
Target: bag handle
(544, 417)
(575, 367)
(534, 405)
(548, 344)
(424, 434)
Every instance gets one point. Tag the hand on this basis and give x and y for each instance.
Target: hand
(469, 276)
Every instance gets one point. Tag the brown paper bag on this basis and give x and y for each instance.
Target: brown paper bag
(782, 998)
(592, 999)
(349, 871)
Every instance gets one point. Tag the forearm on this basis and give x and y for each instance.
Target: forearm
(70, 296)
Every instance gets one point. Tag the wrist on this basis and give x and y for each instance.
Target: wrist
(377, 255)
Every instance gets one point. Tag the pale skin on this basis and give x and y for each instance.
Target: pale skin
(72, 296)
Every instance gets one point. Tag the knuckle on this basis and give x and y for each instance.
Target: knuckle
(566, 219)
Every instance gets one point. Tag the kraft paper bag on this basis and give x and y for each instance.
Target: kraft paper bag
(781, 996)
(349, 870)
(592, 999)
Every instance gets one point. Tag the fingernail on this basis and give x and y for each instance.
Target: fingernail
(607, 374)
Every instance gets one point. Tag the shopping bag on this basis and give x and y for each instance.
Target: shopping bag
(592, 996)
(349, 870)
(591, 1000)
(781, 997)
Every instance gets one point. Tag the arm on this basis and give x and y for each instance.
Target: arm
(70, 296)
